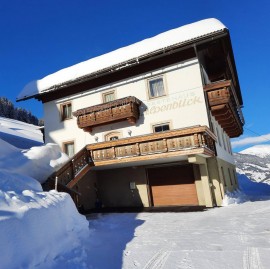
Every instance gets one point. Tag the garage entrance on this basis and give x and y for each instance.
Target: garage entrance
(172, 185)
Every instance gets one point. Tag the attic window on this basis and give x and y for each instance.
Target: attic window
(66, 111)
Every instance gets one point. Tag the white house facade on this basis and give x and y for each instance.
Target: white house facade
(148, 125)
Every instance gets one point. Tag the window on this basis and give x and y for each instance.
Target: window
(218, 136)
(161, 127)
(230, 176)
(223, 176)
(66, 111)
(108, 96)
(69, 148)
(113, 136)
(156, 88)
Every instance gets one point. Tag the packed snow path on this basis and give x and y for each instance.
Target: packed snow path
(237, 236)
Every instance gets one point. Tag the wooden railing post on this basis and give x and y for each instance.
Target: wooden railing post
(165, 144)
(56, 183)
(196, 140)
(72, 168)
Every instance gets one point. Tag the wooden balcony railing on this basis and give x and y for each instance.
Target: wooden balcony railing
(193, 140)
(67, 173)
(118, 110)
(225, 107)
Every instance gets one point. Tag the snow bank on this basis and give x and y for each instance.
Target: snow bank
(248, 191)
(123, 55)
(37, 162)
(36, 227)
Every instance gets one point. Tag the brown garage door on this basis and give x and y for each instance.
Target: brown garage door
(172, 185)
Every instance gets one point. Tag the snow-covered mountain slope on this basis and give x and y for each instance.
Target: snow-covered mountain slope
(20, 134)
(254, 162)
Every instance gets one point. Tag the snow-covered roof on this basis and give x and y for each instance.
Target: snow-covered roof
(121, 56)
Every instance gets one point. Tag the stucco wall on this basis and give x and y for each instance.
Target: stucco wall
(183, 106)
(223, 144)
(222, 181)
(114, 187)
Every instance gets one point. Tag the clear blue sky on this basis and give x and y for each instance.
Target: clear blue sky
(39, 37)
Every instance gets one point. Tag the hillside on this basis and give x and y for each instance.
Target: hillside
(20, 134)
(254, 162)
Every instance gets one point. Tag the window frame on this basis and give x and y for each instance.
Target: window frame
(107, 93)
(112, 134)
(62, 106)
(149, 88)
(161, 124)
(65, 143)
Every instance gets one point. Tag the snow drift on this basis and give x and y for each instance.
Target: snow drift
(36, 227)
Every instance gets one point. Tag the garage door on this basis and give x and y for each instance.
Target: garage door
(172, 185)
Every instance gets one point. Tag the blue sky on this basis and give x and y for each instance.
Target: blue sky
(44, 36)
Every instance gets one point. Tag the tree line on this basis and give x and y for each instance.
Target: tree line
(8, 110)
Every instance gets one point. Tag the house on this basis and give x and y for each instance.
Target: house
(148, 124)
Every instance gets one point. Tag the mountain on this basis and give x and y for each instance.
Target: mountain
(254, 162)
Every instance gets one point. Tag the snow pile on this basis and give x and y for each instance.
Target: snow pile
(37, 229)
(123, 55)
(37, 162)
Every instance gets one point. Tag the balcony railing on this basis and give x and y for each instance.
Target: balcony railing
(193, 140)
(225, 107)
(118, 110)
(71, 169)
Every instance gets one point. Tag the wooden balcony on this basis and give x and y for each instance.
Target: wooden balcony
(187, 141)
(124, 109)
(225, 107)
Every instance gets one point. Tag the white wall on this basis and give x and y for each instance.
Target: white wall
(183, 106)
(223, 144)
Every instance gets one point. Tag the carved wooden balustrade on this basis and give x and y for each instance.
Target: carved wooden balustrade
(118, 110)
(225, 108)
(193, 140)
(67, 173)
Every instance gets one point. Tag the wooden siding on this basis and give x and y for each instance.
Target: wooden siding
(225, 107)
(118, 110)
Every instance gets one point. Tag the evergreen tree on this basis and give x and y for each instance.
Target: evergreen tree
(8, 110)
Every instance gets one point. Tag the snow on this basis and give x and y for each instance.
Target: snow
(20, 134)
(258, 150)
(37, 229)
(230, 237)
(44, 229)
(123, 55)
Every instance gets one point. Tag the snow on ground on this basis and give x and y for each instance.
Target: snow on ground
(230, 237)
(20, 134)
(44, 230)
(234, 236)
(37, 229)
